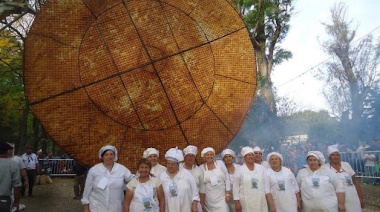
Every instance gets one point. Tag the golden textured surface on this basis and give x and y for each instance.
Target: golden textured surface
(138, 74)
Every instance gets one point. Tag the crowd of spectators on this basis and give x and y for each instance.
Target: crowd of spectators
(364, 159)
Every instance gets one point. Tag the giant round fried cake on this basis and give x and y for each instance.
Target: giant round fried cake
(138, 74)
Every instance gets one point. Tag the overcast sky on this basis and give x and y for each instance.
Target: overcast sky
(303, 40)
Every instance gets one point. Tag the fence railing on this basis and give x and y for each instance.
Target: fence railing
(57, 167)
(365, 164)
(64, 167)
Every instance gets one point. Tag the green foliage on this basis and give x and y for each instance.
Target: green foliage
(267, 15)
(12, 97)
(282, 55)
(268, 24)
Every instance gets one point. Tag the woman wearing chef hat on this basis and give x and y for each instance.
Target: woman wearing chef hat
(216, 182)
(249, 184)
(321, 188)
(105, 182)
(353, 195)
(281, 187)
(181, 192)
(228, 156)
(190, 153)
(152, 154)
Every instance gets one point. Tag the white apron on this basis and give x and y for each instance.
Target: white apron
(352, 202)
(143, 198)
(253, 198)
(318, 194)
(194, 174)
(215, 190)
(283, 192)
(231, 204)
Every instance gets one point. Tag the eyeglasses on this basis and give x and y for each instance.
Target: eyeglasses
(258, 153)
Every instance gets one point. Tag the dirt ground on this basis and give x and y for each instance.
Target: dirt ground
(58, 197)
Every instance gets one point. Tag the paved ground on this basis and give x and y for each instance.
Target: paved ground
(58, 197)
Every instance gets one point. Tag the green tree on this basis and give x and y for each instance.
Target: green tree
(268, 24)
(12, 97)
(17, 123)
(351, 74)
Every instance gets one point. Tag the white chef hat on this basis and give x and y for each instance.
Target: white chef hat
(150, 151)
(228, 152)
(207, 149)
(318, 155)
(174, 154)
(108, 147)
(275, 153)
(331, 149)
(190, 150)
(257, 149)
(245, 150)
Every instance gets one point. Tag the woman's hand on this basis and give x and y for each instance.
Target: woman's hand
(272, 209)
(194, 206)
(299, 205)
(362, 204)
(86, 208)
(341, 208)
(228, 197)
(238, 206)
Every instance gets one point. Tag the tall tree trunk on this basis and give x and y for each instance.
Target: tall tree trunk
(356, 97)
(23, 128)
(45, 139)
(36, 133)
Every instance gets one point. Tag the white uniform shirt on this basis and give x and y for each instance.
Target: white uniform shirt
(180, 192)
(231, 204)
(144, 190)
(318, 189)
(30, 161)
(249, 188)
(216, 183)
(282, 186)
(265, 164)
(157, 169)
(198, 176)
(111, 197)
(352, 201)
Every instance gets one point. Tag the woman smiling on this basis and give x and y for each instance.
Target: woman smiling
(181, 191)
(105, 182)
(249, 184)
(144, 193)
(321, 189)
(281, 188)
(216, 182)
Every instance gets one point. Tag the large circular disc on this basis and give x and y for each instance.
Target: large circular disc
(138, 74)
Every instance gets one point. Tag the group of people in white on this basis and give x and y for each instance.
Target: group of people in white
(221, 185)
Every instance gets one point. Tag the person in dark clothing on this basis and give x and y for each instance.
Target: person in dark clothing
(80, 179)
